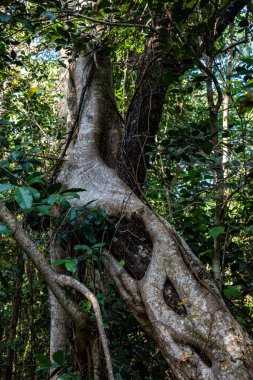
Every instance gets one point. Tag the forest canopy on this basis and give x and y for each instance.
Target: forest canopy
(118, 120)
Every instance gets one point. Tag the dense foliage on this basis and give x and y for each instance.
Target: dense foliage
(184, 166)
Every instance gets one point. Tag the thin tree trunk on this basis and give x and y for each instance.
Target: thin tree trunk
(219, 175)
(59, 337)
(16, 304)
(30, 274)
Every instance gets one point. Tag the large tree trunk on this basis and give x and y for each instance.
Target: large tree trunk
(200, 339)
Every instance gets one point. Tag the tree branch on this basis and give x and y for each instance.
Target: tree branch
(56, 281)
(64, 281)
(227, 14)
(39, 262)
(116, 23)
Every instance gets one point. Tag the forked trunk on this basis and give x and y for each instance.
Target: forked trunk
(167, 289)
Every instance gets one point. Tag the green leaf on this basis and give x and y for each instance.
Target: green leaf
(5, 187)
(53, 198)
(60, 262)
(43, 360)
(43, 209)
(23, 197)
(85, 305)
(4, 17)
(5, 230)
(231, 292)
(36, 178)
(55, 188)
(35, 193)
(82, 247)
(121, 263)
(216, 231)
(58, 357)
(33, 91)
(190, 3)
(71, 265)
(70, 195)
(98, 245)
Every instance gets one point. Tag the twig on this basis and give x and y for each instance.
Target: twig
(244, 40)
(117, 23)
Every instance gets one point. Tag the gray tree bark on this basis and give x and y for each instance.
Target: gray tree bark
(199, 339)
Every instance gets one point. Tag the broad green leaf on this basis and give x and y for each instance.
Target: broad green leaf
(43, 360)
(216, 231)
(24, 197)
(55, 188)
(35, 193)
(43, 209)
(53, 198)
(71, 195)
(58, 357)
(82, 247)
(98, 245)
(71, 265)
(231, 292)
(5, 230)
(190, 3)
(60, 262)
(5, 187)
(36, 178)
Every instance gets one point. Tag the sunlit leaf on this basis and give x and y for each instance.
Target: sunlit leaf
(216, 231)
(71, 265)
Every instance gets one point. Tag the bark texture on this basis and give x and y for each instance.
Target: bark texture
(201, 339)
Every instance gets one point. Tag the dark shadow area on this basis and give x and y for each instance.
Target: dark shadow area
(172, 299)
(131, 243)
